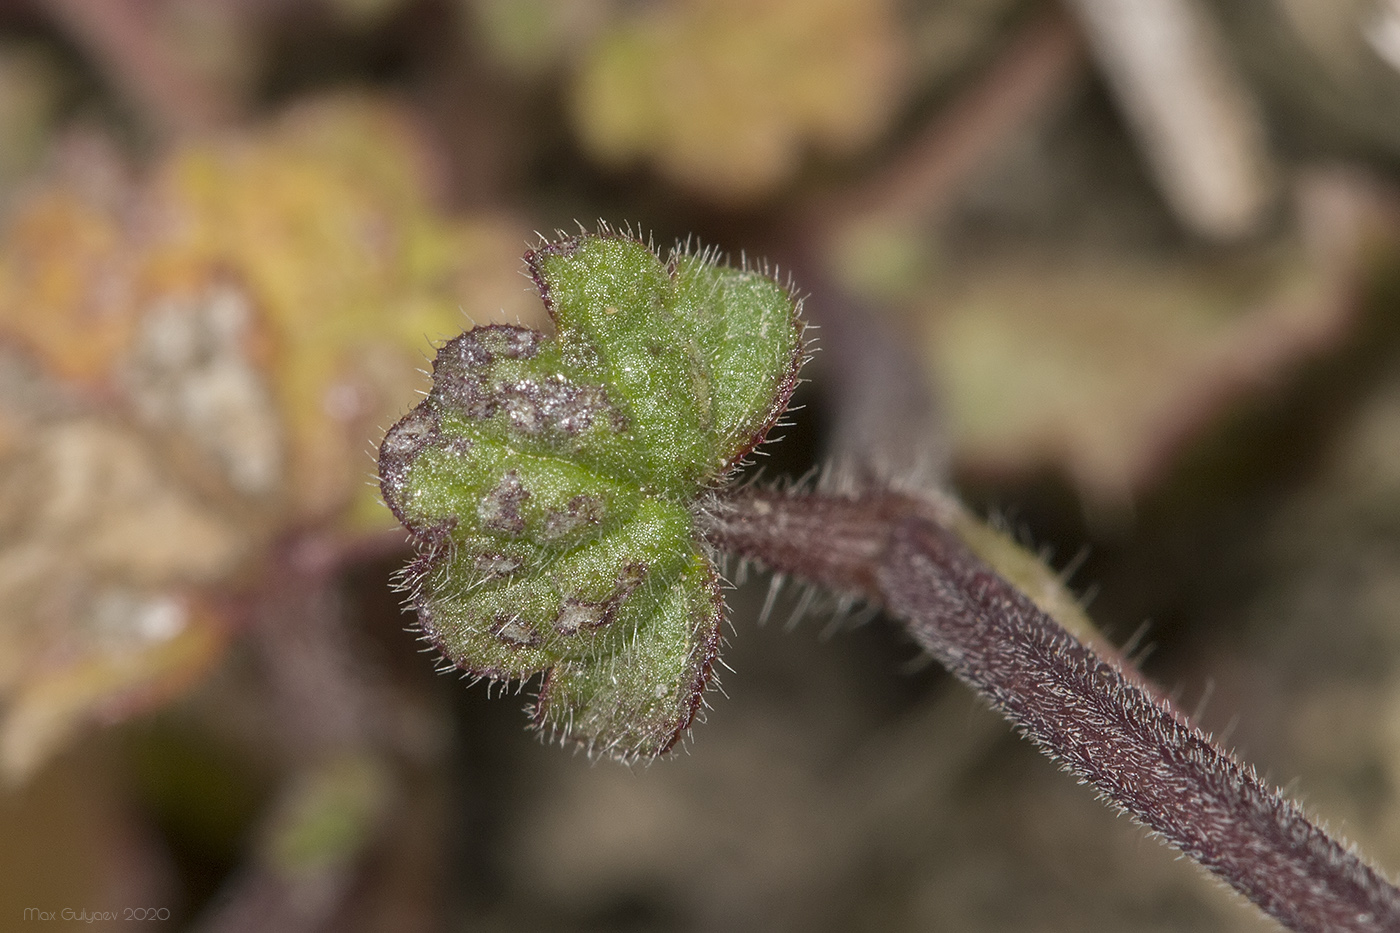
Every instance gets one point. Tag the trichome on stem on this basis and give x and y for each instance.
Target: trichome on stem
(1100, 722)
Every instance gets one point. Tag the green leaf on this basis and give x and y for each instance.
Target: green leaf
(550, 483)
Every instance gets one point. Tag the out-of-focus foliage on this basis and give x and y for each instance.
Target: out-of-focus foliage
(725, 96)
(31, 93)
(1069, 328)
(365, 13)
(192, 365)
(530, 37)
(212, 40)
(1334, 62)
(327, 816)
(1104, 363)
(945, 36)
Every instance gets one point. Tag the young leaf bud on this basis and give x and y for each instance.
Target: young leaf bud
(551, 483)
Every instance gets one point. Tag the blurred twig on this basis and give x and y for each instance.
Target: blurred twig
(1192, 114)
(1035, 67)
(121, 38)
(887, 422)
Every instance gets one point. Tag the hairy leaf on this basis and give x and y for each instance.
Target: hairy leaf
(551, 482)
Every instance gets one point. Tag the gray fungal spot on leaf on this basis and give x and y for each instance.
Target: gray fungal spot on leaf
(576, 615)
(521, 403)
(467, 393)
(497, 565)
(416, 430)
(556, 405)
(582, 511)
(629, 579)
(462, 370)
(459, 446)
(513, 631)
(512, 343)
(499, 509)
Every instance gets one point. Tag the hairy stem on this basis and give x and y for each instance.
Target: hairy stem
(1083, 709)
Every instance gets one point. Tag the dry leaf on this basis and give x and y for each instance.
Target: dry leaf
(1105, 366)
(194, 365)
(725, 95)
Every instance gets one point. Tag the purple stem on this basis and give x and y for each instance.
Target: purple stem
(1084, 711)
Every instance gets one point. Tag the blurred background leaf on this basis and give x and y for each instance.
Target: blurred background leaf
(196, 365)
(726, 96)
